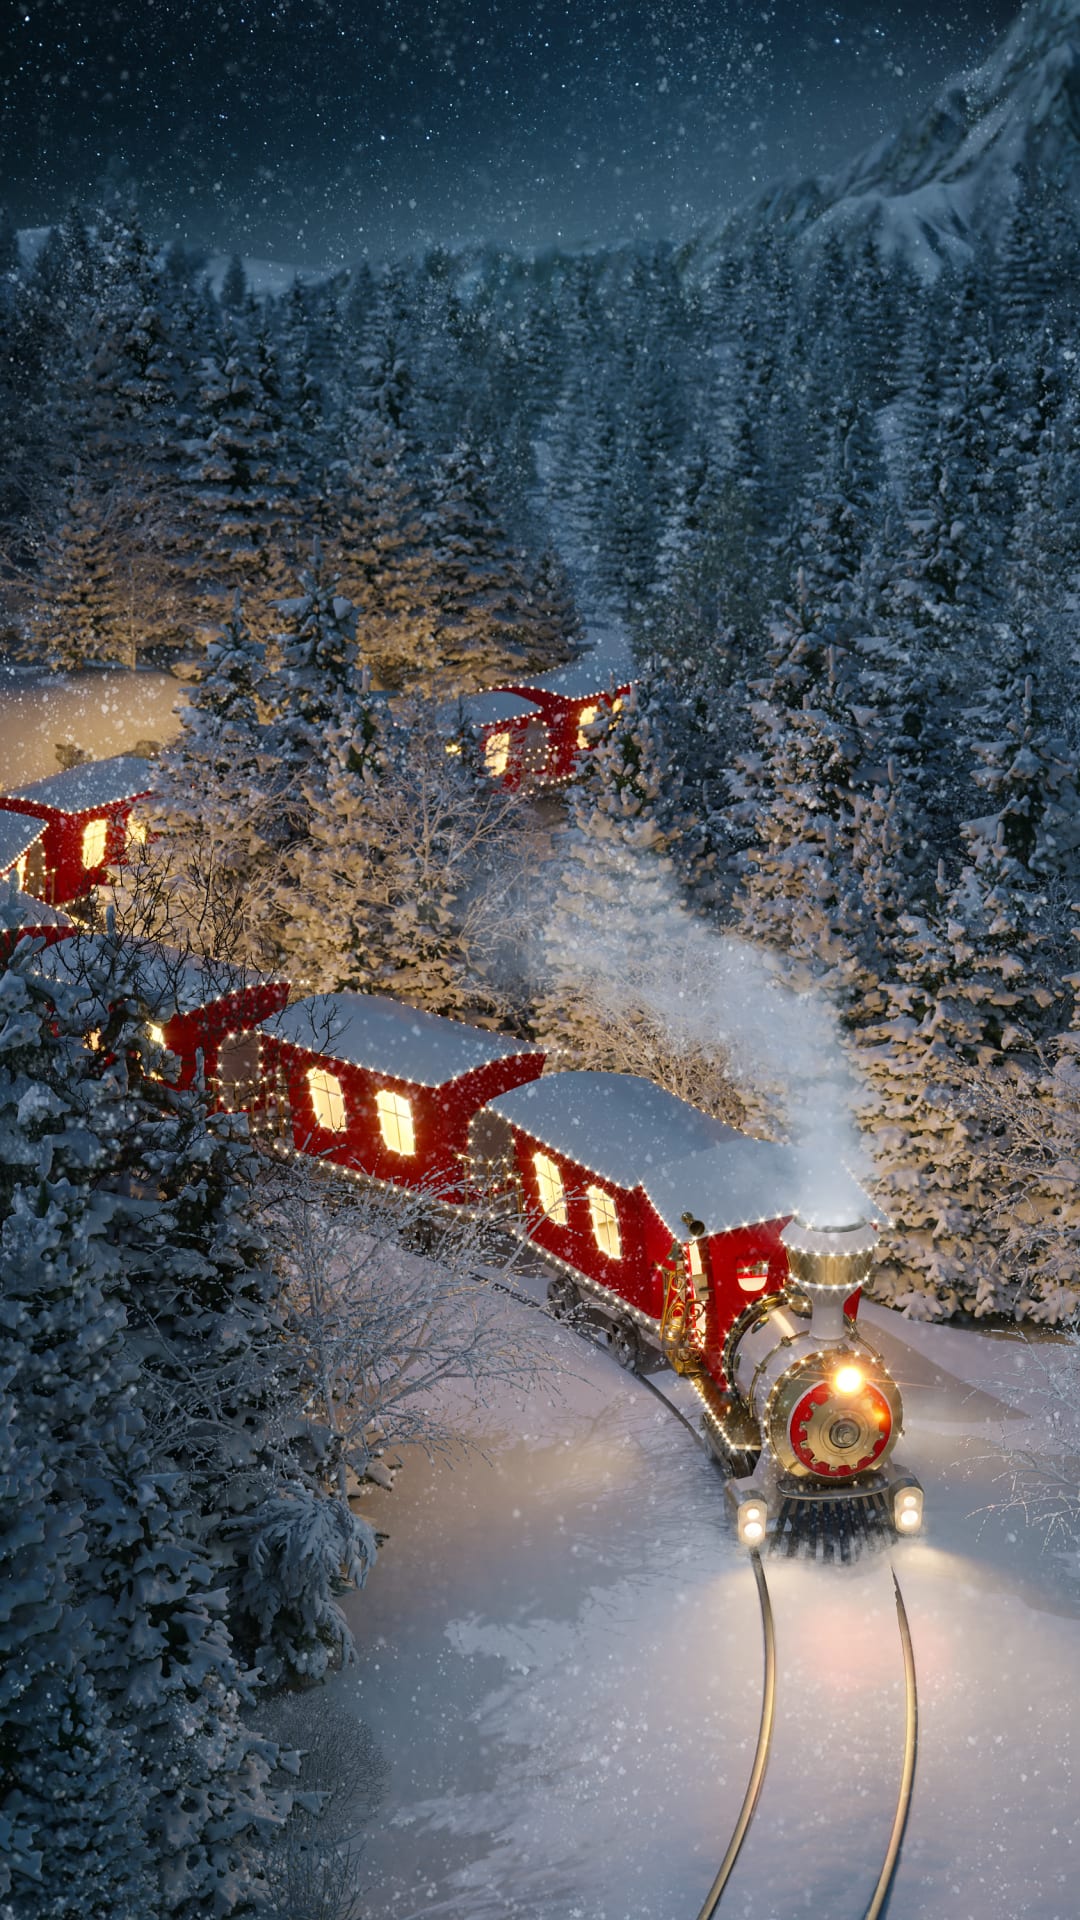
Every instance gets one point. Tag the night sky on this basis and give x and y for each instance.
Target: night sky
(314, 131)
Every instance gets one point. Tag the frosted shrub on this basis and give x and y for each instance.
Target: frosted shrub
(303, 1550)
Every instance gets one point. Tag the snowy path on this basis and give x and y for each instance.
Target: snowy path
(104, 713)
(561, 1659)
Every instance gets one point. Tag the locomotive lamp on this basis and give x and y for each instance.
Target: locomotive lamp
(907, 1503)
(751, 1516)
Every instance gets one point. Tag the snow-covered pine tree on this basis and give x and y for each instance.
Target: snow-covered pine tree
(380, 548)
(207, 873)
(318, 687)
(420, 881)
(324, 918)
(795, 795)
(611, 876)
(484, 629)
(151, 1645)
(238, 523)
(81, 609)
(929, 1143)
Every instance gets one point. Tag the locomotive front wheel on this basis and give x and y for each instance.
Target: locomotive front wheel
(563, 1299)
(626, 1346)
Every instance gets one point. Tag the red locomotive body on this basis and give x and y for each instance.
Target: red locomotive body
(85, 811)
(385, 1088)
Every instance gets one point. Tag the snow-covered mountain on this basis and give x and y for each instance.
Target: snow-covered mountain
(934, 188)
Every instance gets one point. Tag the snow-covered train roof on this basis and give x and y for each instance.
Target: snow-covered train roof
(386, 1036)
(732, 1184)
(635, 1134)
(168, 980)
(96, 783)
(18, 831)
(616, 1124)
(486, 708)
(22, 912)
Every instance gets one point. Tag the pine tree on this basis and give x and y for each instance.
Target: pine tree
(238, 525)
(613, 884)
(146, 1646)
(208, 869)
(380, 549)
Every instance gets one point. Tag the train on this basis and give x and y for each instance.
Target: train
(678, 1238)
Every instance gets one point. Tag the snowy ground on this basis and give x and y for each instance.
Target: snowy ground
(560, 1660)
(104, 713)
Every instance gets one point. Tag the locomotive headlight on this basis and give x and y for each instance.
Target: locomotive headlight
(847, 1380)
(908, 1507)
(753, 1516)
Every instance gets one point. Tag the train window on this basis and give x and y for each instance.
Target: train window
(605, 1222)
(327, 1100)
(552, 1192)
(752, 1275)
(585, 719)
(93, 843)
(396, 1121)
(496, 753)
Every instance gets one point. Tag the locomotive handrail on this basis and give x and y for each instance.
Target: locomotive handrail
(907, 1771)
(764, 1742)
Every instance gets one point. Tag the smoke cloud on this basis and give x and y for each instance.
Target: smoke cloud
(712, 991)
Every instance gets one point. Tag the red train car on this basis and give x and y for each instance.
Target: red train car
(608, 1167)
(22, 916)
(194, 1005)
(385, 1088)
(547, 745)
(85, 813)
(200, 1005)
(22, 853)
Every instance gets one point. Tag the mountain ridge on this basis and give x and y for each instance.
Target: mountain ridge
(931, 189)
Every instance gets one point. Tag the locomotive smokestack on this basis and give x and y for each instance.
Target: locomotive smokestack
(828, 1263)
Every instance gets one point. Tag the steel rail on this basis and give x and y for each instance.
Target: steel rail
(764, 1743)
(907, 1771)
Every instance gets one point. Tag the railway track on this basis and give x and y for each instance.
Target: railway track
(785, 1544)
(883, 1886)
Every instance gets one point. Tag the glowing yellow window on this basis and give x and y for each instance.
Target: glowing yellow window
(136, 831)
(585, 719)
(552, 1192)
(752, 1275)
(93, 842)
(605, 1222)
(157, 1035)
(327, 1100)
(496, 753)
(20, 871)
(693, 1258)
(396, 1121)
